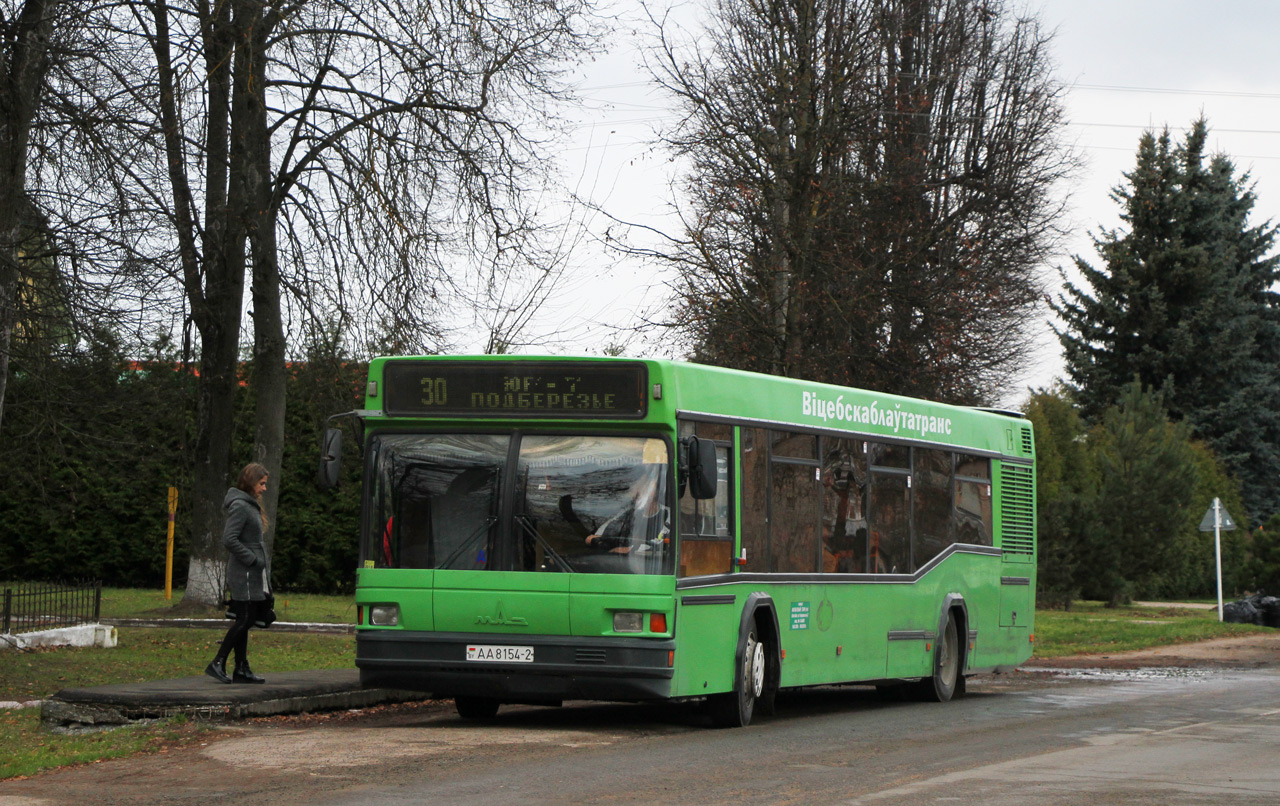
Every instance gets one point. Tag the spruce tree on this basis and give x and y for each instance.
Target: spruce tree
(1182, 302)
(1147, 474)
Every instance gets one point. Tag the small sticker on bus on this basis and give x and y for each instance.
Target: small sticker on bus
(799, 615)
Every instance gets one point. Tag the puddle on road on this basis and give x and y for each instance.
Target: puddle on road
(1131, 675)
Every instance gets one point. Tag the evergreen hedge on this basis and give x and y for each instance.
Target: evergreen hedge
(92, 442)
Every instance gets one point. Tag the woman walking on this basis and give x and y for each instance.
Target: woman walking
(246, 571)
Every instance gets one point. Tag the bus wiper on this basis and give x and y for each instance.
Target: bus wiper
(542, 541)
(466, 544)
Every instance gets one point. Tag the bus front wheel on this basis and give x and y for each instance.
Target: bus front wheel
(735, 708)
(476, 707)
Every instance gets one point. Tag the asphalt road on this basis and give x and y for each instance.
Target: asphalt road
(1172, 736)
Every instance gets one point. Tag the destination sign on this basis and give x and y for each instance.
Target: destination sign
(516, 388)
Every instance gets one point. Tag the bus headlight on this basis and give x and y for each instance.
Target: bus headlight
(628, 622)
(384, 615)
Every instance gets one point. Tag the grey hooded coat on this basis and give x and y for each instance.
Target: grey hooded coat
(242, 535)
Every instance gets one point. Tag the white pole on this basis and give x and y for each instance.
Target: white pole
(1217, 548)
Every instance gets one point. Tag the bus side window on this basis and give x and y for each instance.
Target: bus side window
(889, 510)
(755, 498)
(844, 506)
(706, 534)
(972, 510)
(931, 504)
(795, 504)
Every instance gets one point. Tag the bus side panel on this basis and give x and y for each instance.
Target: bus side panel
(911, 657)
(831, 632)
(982, 604)
(409, 589)
(707, 639)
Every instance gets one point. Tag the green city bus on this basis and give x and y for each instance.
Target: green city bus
(537, 529)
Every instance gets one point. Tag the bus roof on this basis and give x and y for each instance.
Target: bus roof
(699, 391)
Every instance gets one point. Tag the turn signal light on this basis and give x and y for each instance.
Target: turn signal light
(657, 622)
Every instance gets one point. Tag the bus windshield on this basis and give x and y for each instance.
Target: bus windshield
(570, 504)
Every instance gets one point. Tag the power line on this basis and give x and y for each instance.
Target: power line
(1212, 129)
(1171, 91)
(1233, 157)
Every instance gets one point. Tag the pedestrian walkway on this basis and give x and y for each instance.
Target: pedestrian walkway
(206, 699)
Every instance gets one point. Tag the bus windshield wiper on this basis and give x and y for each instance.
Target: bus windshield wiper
(483, 528)
(542, 541)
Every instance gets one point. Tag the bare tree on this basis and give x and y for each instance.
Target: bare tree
(343, 159)
(870, 190)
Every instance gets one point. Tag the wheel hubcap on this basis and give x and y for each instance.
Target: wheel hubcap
(756, 668)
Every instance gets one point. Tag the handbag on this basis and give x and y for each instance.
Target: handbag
(266, 612)
(266, 615)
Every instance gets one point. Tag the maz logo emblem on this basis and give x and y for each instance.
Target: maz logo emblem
(501, 620)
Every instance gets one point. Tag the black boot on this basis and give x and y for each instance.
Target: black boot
(244, 674)
(217, 669)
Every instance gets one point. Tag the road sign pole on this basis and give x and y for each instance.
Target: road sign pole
(168, 552)
(1217, 548)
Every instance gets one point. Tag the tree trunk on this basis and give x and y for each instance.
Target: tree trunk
(214, 282)
(215, 413)
(23, 64)
(254, 140)
(269, 374)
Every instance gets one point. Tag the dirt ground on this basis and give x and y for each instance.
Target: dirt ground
(1253, 651)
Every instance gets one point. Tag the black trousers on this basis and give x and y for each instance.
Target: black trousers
(237, 638)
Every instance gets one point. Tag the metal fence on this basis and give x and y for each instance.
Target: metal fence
(33, 606)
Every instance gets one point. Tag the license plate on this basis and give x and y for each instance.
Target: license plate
(500, 654)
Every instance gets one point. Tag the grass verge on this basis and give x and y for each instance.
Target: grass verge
(26, 748)
(1090, 628)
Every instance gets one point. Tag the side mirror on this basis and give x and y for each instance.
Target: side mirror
(701, 468)
(330, 458)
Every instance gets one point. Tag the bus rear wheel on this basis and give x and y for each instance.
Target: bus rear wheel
(946, 681)
(476, 707)
(734, 709)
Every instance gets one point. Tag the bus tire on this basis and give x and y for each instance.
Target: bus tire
(946, 680)
(476, 707)
(735, 708)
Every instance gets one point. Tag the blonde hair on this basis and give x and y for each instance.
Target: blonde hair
(250, 475)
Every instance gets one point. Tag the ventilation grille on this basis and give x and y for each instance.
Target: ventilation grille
(1028, 448)
(591, 655)
(1017, 512)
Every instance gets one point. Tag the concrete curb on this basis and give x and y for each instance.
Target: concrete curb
(206, 700)
(99, 635)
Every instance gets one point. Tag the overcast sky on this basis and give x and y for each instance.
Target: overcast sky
(1128, 65)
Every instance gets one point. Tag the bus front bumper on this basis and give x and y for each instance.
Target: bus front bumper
(563, 667)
